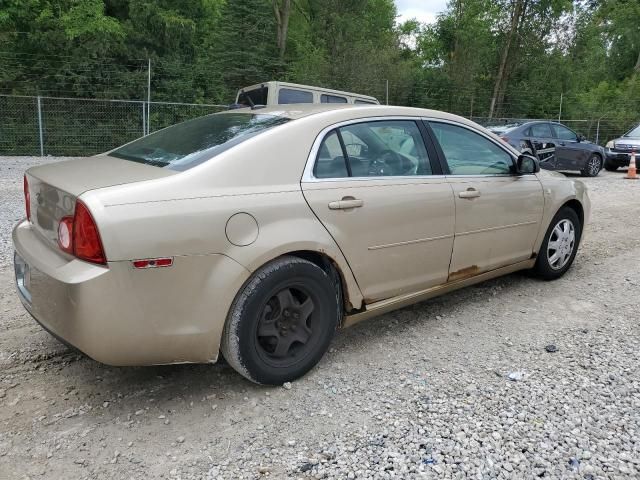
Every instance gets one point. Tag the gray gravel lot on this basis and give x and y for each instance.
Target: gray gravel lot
(421, 392)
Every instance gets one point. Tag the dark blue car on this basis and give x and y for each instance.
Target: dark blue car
(556, 146)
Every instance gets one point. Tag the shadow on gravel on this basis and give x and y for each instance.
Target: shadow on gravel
(165, 389)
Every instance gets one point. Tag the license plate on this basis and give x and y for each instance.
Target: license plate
(23, 276)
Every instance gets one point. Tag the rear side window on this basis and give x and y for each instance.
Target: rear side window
(324, 98)
(190, 143)
(330, 162)
(289, 95)
(386, 148)
(258, 96)
(541, 130)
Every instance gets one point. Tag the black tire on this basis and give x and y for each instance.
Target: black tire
(593, 166)
(545, 267)
(610, 167)
(264, 333)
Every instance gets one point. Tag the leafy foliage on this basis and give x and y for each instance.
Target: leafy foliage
(481, 58)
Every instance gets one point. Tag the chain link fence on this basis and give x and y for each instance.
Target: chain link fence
(80, 127)
(31, 125)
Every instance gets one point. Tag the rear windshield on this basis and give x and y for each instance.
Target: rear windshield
(188, 144)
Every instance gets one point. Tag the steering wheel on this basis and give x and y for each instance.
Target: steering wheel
(386, 163)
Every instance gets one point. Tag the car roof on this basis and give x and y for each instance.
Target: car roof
(299, 110)
(275, 83)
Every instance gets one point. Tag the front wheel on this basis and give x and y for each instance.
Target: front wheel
(610, 167)
(559, 246)
(593, 166)
(282, 322)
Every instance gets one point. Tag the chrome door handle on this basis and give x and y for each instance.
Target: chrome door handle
(346, 203)
(469, 193)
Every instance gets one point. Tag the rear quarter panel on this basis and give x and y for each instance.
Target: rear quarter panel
(187, 214)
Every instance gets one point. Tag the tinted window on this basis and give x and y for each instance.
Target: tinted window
(541, 130)
(633, 133)
(287, 95)
(332, 99)
(187, 144)
(385, 148)
(469, 153)
(257, 96)
(563, 133)
(330, 162)
(364, 102)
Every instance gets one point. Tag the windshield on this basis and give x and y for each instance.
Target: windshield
(188, 144)
(634, 132)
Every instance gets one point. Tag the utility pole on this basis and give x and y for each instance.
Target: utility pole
(560, 112)
(387, 91)
(148, 96)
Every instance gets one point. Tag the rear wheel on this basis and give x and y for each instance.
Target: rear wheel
(593, 166)
(282, 322)
(559, 246)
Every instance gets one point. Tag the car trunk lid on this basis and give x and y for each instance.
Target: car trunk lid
(54, 188)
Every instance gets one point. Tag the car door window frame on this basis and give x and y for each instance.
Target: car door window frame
(443, 159)
(432, 154)
(556, 135)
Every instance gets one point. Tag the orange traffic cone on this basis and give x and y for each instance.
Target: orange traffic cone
(631, 173)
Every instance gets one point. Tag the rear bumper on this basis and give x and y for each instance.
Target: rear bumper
(119, 315)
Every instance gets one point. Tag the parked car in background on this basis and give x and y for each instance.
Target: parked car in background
(500, 129)
(618, 150)
(556, 146)
(285, 93)
(260, 232)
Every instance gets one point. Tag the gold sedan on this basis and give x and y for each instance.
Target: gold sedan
(259, 232)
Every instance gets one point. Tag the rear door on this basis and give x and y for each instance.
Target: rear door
(541, 137)
(498, 213)
(377, 188)
(568, 152)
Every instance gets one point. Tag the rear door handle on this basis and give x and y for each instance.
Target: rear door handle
(346, 203)
(469, 193)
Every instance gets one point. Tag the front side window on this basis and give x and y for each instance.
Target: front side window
(469, 153)
(563, 133)
(384, 148)
(541, 130)
(289, 95)
(324, 98)
(190, 143)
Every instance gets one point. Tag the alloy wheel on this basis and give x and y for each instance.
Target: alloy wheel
(561, 244)
(594, 165)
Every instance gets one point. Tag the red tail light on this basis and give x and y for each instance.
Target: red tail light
(79, 236)
(86, 239)
(27, 197)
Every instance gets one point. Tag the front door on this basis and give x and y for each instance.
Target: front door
(568, 152)
(498, 213)
(380, 194)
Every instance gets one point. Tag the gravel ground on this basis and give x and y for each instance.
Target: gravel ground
(458, 387)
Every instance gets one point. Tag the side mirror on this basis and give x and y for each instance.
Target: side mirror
(581, 138)
(526, 164)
